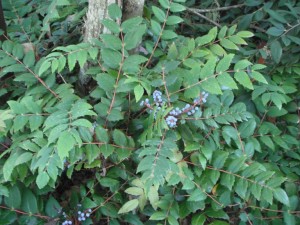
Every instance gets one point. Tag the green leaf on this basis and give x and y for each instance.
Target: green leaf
(225, 80)
(217, 214)
(228, 180)
(222, 32)
(114, 11)
(16, 107)
(135, 191)
(9, 166)
(106, 150)
(23, 158)
(165, 3)
(243, 78)
(82, 58)
(132, 63)
(228, 44)
(276, 16)
(29, 59)
(65, 143)
(61, 64)
(275, 31)
(245, 34)
(102, 134)
(241, 187)
(242, 64)
(119, 138)
(134, 37)
(267, 195)
(88, 203)
(153, 197)
(56, 132)
(160, 14)
(211, 36)
(259, 77)
(82, 123)
(130, 24)
(18, 51)
(168, 34)
(111, 25)
(289, 218)
(14, 199)
(115, 115)
(211, 85)
(72, 58)
(256, 190)
(237, 40)
(175, 7)
(106, 81)
(111, 57)
(158, 216)
(267, 141)
(156, 28)
(173, 20)
(44, 67)
(29, 201)
(3, 191)
(129, 206)
(219, 158)
(224, 63)
(93, 152)
(281, 196)
(52, 207)
(247, 128)
(198, 219)
(208, 69)
(81, 108)
(276, 51)
(197, 195)
(42, 179)
(138, 92)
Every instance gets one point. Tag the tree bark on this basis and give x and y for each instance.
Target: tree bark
(97, 11)
(132, 8)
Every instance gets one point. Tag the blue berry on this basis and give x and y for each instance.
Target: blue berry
(171, 121)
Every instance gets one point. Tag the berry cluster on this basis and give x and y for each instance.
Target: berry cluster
(171, 121)
(202, 98)
(157, 97)
(146, 103)
(173, 115)
(66, 222)
(83, 215)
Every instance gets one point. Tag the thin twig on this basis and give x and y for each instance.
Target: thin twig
(218, 9)
(258, 28)
(204, 17)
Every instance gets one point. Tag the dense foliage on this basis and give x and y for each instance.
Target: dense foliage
(189, 116)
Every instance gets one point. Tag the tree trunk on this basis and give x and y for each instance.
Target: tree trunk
(97, 11)
(132, 8)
